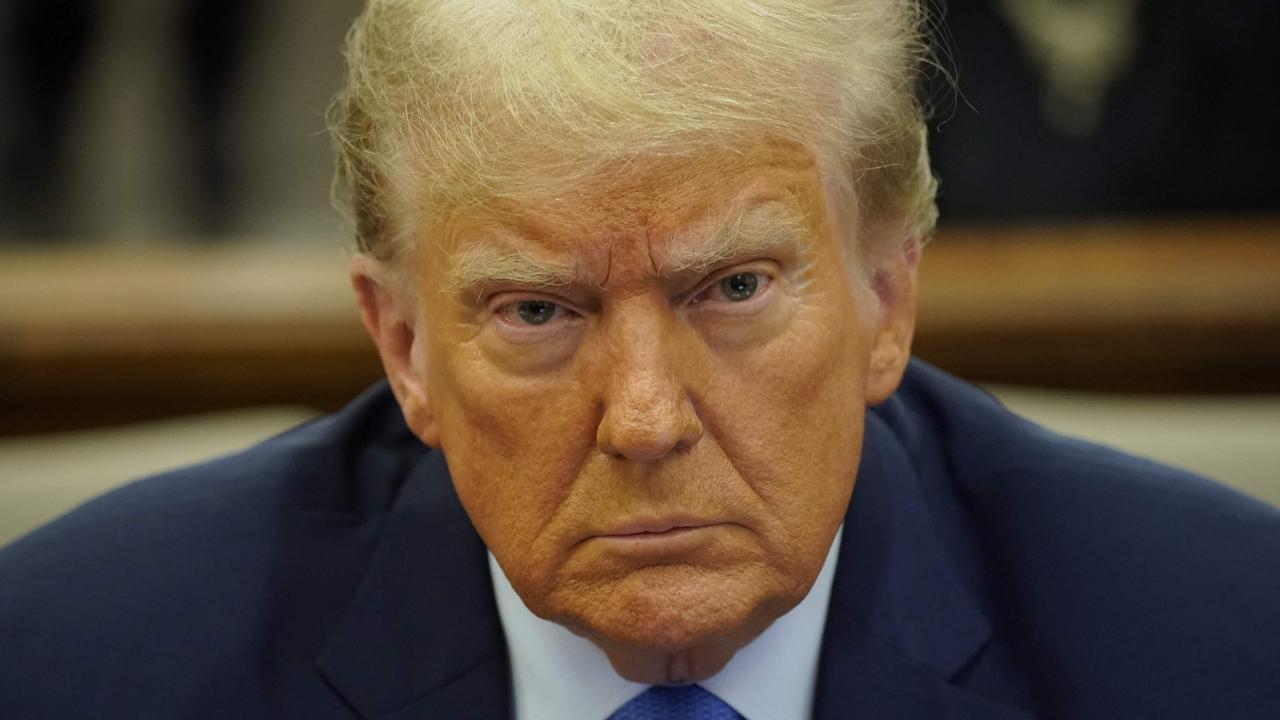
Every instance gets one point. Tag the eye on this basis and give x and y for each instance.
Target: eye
(530, 319)
(536, 312)
(530, 331)
(737, 291)
(739, 287)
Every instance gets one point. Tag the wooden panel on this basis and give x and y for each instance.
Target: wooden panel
(90, 337)
(1189, 306)
(98, 337)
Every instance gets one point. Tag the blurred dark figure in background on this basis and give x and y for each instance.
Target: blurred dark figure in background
(45, 46)
(214, 34)
(1076, 108)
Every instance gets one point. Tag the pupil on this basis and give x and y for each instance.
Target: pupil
(740, 287)
(535, 312)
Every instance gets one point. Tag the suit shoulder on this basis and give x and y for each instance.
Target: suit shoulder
(1115, 581)
(995, 457)
(169, 574)
(313, 467)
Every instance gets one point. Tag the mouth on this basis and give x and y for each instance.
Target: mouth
(659, 540)
(656, 527)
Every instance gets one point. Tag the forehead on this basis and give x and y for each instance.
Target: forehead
(661, 204)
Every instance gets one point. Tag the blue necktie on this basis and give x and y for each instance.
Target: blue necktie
(682, 702)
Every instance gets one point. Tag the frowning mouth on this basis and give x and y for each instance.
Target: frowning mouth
(658, 527)
(659, 540)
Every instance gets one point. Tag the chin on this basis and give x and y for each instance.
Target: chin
(675, 609)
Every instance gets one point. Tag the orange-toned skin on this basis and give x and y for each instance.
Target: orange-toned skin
(651, 398)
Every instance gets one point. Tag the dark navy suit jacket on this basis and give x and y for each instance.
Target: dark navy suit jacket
(989, 569)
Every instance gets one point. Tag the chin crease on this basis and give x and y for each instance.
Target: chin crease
(683, 667)
(679, 669)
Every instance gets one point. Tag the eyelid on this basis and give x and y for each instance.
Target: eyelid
(503, 299)
(502, 318)
(764, 268)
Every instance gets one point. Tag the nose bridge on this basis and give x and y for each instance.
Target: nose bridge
(648, 411)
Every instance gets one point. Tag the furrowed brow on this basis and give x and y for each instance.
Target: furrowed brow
(484, 262)
(768, 228)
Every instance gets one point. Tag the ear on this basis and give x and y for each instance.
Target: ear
(391, 318)
(895, 284)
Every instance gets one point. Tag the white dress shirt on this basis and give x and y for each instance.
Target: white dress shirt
(557, 675)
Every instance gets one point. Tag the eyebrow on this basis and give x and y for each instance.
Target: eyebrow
(490, 262)
(768, 227)
(765, 228)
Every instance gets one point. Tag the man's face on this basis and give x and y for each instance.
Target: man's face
(650, 393)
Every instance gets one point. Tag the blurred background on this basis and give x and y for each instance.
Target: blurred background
(136, 121)
(172, 280)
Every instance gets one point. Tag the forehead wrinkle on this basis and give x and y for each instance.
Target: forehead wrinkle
(769, 227)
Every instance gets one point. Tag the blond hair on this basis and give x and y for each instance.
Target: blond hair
(451, 103)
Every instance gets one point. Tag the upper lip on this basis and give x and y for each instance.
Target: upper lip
(655, 525)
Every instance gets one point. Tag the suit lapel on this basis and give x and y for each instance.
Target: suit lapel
(900, 625)
(870, 678)
(421, 638)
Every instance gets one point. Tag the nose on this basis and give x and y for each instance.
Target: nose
(648, 412)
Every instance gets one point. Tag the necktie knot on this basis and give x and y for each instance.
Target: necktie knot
(680, 702)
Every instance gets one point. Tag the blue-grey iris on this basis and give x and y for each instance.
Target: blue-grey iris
(740, 287)
(535, 312)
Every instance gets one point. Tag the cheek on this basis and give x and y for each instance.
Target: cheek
(514, 446)
(789, 415)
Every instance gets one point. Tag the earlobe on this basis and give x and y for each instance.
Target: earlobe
(391, 320)
(888, 363)
(895, 288)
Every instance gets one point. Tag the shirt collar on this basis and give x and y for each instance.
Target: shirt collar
(557, 675)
